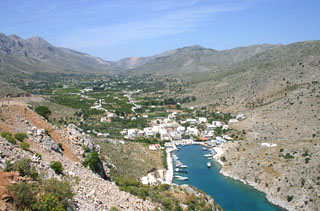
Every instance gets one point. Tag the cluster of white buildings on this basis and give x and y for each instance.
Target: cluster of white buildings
(168, 129)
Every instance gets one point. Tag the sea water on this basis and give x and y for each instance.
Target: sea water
(230, 194)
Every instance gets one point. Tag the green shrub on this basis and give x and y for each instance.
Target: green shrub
(38, 155)
(24, 167)
(9, 137)
(24, 145)
(56, 166)
(46, 131)
(92, 160)
(288, 156)
(20, 136)
(23, 195)
(59, 145)
(60, 189)
(49, 202)
(289, 198)
(164, 159)
(86, 148)
(43, 111)
(45, 195)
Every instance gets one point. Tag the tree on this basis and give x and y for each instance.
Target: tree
(43, 111)
(92, 160)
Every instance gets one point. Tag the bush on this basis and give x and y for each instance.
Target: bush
(289, 198)
(46, 131)
(24, 167)
(86, 148)
(43, 111)
(23, 195)
(9, 137)
(60, 145)
(38, 155)
(24, 145)
(49, 202)
(20, 136)
(62, 191)
(92, 160)
(57, 167)
(47, 195)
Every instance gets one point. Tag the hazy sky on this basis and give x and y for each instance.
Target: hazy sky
(112, 29)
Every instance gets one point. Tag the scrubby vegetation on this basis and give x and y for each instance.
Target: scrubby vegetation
(24, 167)
(38, 193)
(43, 111)
(9, 137)
(24, 145)
(20, 136)
(57, 167)
(166, 195)
(92, 161)
(49, 194)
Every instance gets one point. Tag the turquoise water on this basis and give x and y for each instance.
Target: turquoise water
(230, 194)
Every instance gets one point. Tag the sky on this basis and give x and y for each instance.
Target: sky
(113, 29)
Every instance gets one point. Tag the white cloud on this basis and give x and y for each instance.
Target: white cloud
(174, 18)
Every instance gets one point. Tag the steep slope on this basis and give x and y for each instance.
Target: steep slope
(278, 89)
(192, 59)
(25, 56)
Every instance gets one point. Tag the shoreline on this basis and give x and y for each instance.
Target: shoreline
(220, 151)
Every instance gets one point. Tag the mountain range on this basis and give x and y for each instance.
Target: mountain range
(27, 56)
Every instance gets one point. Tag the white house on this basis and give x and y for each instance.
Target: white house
(193, 131)
(217, 123)
(192, 121)
(181, 129)
(148, 131)
(225, 127)
(154, 147)
(175, 135)
(132, 132)
(202, 119)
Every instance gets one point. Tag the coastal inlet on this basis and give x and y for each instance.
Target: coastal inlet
(192, 167)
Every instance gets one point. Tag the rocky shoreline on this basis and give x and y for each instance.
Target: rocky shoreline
(270, 172)
(220, 152)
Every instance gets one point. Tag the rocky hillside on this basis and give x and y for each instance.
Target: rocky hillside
(25, 56)
(278, 90)
(192, 59)
(288, 172)
(92, 191)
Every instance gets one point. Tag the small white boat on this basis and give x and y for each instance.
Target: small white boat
(208, 155)
(209, 164)
(183, 166)
(183, 178)
(204, 149)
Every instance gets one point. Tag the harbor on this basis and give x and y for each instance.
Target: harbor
(191, 164)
